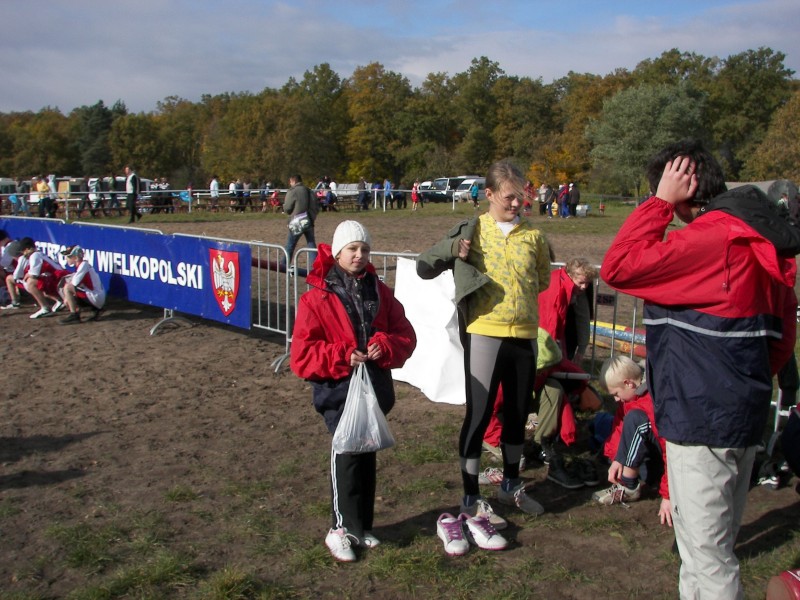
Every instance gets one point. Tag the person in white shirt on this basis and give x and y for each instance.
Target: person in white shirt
(213, 187)
(37, 274)
(81, 287)
(7, 249)
(132, 193)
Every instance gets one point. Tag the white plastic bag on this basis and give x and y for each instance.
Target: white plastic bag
(362, 427)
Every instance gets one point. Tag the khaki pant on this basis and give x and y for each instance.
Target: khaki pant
(549, 406)
(708, 489)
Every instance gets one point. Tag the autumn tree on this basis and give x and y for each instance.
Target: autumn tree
(579, 99)
(778, 155)
(134, 140)
(749, 88)
(375, 99)
(39, 143)
(180, 126)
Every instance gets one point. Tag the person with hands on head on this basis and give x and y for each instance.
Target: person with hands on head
(349, 317)
(719, 312)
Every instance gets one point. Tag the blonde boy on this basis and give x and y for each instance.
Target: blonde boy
(634, 447)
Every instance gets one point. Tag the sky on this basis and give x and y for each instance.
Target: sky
(69, 53)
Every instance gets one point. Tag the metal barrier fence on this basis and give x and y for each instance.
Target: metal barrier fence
(614, 314)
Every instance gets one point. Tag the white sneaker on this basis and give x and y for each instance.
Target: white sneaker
(517, 497)
(369, 540)
(483, 509)
(490, 476)
(57, 306)
(338, 542)
(482, 534)
(11, 305)
(450, 530)
(42, 312)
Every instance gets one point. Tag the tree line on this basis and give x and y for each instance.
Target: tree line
(598, 130)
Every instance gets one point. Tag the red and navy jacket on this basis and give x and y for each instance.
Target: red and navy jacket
(643, 402)
(719, 312)
(324, 338)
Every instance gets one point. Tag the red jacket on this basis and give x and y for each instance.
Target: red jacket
(323, 338)
(719, 311)
(645, 404)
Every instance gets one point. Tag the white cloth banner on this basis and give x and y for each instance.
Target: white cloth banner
(437, 365)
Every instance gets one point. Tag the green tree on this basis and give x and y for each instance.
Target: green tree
(324, 121)
(635, 124)
(674, 67)
(91, 126)
(431, 128)
(526, 118)
(475, 106)
(778, 155)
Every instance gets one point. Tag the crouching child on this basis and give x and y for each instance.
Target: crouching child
(637, 452)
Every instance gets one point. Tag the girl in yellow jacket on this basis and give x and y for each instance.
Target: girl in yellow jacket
(500, 264)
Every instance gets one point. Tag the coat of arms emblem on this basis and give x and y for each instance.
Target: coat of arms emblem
(225, 275)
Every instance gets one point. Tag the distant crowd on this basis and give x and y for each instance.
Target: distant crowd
(96, 196)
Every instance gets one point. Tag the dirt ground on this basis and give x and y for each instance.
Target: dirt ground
(102, 421)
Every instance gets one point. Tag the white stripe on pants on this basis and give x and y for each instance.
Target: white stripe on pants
(708, 488)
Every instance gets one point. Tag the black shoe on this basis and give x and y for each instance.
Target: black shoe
(547, 452)
(71, 318)
(586, 471)
(96, 312)
(557, 473)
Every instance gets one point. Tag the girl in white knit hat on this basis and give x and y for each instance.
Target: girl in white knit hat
(349, 317)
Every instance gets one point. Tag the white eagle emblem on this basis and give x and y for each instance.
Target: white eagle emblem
(224, 282)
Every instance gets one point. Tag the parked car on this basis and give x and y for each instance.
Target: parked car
(462, 193)
(443, 188)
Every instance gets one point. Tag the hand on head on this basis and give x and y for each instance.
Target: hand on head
(679, 181)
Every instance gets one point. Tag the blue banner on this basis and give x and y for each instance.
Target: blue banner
(192, 275)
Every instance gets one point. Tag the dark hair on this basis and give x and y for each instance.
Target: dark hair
(26, 243)
(3, 234)
(297, 178)
(711, 179)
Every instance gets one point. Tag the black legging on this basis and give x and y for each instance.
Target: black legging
(490, 362)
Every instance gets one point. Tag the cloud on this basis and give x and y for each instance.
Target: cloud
(81, 51)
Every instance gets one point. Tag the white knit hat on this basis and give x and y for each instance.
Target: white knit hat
(346, 233)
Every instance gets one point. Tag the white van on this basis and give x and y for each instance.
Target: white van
(462, 193)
